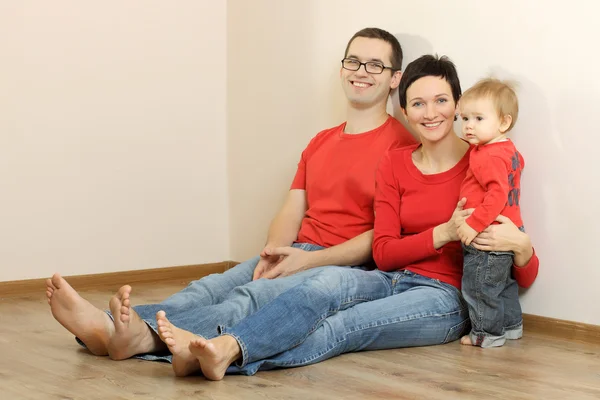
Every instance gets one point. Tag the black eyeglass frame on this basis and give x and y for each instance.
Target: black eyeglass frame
(360, 64)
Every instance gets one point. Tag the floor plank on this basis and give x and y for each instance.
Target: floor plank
(40, 360)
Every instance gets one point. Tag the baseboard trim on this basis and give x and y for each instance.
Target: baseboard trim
(116, 279)
(560, 328)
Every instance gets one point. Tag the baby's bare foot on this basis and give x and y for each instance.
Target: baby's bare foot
(466, 340)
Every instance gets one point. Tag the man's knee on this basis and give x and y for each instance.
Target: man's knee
(333, 278)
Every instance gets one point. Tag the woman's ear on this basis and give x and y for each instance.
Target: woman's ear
(457, 111)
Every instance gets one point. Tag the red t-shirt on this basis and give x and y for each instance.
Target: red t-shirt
(493, 184)
(409, 204)
(337, 171)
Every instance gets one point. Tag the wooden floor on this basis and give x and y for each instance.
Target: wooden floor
(41, 360)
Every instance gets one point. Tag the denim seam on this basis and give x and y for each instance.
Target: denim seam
(515, 326)
(479, 310)
(243, 348)
(393, 321)
(354, 299)
(453, 329)
(310, 359)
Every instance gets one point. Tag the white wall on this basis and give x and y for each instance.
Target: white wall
(283, 88)
(112, 136)
(114, 131)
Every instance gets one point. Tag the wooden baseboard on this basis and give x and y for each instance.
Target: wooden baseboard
(116, 279)
(560, 328)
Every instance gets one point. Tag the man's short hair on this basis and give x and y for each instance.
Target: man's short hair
(376, 33)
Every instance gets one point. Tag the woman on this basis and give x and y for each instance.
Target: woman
(414, 298)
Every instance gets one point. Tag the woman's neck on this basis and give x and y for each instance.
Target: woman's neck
(437, 157)
(360, 120)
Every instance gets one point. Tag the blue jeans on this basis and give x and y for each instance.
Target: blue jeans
(221, 299)
(492, 295)
(344, 310)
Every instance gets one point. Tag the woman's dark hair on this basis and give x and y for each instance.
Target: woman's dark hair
(429, 65)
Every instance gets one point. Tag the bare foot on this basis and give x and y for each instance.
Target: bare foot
(466, 340)
(90, 324)
(178, 341)
(215, 355)
(132, 336)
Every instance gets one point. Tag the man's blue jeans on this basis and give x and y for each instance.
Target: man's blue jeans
(221, 299)
(344, 310)
(492, 295)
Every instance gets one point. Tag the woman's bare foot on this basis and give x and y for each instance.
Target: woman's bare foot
(131, 334)
(90, 324)
(466, 340)
(215, 355)
(178, 341)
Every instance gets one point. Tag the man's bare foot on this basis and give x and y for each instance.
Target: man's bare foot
(466, 340)
(131, 334)
(90, 324)
(178, 341)
(215, 355)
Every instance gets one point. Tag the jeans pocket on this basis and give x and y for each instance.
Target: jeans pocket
(498, 267)
(457, 331)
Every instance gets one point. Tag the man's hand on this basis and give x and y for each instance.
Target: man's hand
(293, 260)
(266, 263)
(466, 234)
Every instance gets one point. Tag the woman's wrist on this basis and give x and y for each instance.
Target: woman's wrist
(441, 236)
(523, 250)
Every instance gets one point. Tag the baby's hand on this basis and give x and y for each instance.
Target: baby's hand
(466, 234)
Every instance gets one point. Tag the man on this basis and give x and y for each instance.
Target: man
(326, 220)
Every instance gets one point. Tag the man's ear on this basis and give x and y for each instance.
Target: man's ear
(395, 79)
(505, 123)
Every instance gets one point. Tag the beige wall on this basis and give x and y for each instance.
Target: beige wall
(117, 150)
(283, 88)
(112, 136)
(280, 92)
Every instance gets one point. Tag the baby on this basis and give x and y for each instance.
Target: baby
(488, 111)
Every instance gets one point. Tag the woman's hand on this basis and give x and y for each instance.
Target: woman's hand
(505, 236)
(457, 219)
(448, 232)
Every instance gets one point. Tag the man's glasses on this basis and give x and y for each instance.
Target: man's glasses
(372, 67)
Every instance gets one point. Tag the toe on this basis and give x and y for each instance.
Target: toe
(56, 281)
(49, 284)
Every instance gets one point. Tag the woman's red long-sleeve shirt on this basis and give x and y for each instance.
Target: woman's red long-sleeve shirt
(408, 205)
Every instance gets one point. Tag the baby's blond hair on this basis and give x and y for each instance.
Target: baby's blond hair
(502, 94)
